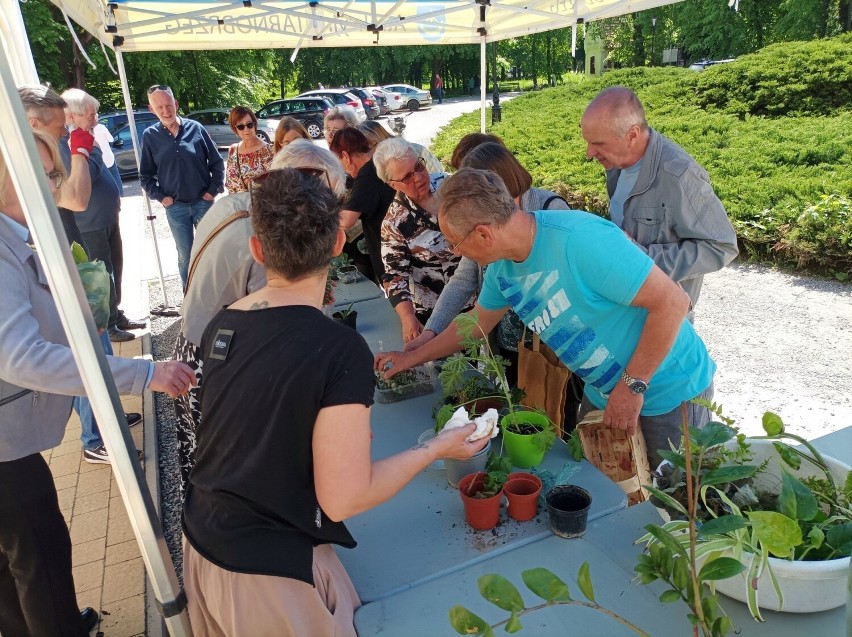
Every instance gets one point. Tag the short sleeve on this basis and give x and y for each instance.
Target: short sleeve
(351, 379)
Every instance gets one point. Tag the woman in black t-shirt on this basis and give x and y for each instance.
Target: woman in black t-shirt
(283, 450)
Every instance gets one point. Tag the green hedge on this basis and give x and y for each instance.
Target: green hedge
(786, 182)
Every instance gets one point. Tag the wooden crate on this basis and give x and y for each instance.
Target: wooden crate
(622, 458)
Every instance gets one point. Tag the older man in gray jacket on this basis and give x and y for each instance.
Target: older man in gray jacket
(659, 195)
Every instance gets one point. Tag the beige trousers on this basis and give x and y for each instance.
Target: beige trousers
(227, 604)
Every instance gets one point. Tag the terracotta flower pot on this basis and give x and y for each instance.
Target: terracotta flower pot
(480, 513)
(522, 491)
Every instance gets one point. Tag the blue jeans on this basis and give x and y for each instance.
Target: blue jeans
(91, 435)
(183, 217)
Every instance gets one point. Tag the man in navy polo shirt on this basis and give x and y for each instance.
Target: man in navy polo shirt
(181, 168)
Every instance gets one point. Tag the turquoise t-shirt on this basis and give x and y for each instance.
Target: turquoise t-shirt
(575, 290)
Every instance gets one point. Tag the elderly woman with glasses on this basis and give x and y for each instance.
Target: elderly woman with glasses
(250, 156)
(336, 119)
(222, 271)
(417, 258)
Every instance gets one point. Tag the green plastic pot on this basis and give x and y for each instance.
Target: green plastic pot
(520, 448)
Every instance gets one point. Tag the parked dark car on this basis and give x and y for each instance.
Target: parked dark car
(310, 111)
(368, 100)
(381, 100)
(122, 147)
(116, 119)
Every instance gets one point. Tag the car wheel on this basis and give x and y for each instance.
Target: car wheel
(264, 137)
(314, 129)
(413, 105)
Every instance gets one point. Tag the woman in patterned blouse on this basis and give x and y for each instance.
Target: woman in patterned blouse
(250, 156)
(417, 258)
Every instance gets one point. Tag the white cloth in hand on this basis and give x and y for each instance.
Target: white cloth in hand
(486, 424)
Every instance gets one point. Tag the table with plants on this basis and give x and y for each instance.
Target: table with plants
(421, 534)
(773, 511)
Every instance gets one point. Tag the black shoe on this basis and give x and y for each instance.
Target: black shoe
(133, 418)
(117, 335)
(125, 323)
(89, 616)
(99, 455)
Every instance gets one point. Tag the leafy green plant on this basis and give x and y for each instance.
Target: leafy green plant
(545, 584)
(477, 354)
(724, 516)
(346, 312)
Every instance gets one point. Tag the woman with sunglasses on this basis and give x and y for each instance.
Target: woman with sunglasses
(222, 271)
(250, 156)
(418, 259)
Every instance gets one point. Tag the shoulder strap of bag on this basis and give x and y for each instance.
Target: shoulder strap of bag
(20, 394)
(546, 204)
(536, 340)
(239, 214)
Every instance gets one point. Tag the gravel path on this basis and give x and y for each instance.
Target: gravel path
(782, 342)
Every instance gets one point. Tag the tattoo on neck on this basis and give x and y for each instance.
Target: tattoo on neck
(259, 306)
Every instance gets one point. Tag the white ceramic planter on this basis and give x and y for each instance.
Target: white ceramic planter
(808, 587)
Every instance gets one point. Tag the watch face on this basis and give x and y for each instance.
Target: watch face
(638, 387)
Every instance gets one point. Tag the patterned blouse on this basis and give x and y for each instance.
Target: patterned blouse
(418, 259)
(241, 168)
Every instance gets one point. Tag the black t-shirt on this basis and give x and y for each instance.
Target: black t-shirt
(371, 197)
(251, 504)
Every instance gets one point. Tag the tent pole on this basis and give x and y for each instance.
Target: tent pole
(17, 144)
(16, 43)
(483, 81)
(166, 309)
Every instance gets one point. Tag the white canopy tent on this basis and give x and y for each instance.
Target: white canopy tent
(153, 25)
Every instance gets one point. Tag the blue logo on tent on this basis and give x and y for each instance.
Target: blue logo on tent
(434, 28)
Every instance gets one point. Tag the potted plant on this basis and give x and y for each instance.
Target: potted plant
(347, 316)
(522, 491)
(482, 492)
(757, 507)
(527, 434)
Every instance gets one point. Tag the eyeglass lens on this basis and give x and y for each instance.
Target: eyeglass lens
(158, 87)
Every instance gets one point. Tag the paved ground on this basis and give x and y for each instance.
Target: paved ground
(783, 343)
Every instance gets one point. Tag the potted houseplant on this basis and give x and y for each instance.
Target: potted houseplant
(522, 491)
(481, 493)
(521, 428)
(347, 316)
(757, 507)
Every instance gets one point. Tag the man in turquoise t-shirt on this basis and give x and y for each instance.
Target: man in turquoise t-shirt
(612, 316)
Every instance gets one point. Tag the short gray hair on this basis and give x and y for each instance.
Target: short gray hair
(341, 112)
(40, 101)
(472, 197)
(79, 102)
(394, 149)
(620, 107)
(302, 153)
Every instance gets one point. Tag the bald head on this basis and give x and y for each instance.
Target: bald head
(614, 128)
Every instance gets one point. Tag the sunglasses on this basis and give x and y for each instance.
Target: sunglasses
(248, 125)
(57, 178)
(419, 167)
(159, 87)
(308, 171)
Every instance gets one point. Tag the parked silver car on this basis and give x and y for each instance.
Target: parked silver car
(341, 97)
(412, 96)
(215, 120)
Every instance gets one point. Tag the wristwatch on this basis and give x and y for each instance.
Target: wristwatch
(636, 385)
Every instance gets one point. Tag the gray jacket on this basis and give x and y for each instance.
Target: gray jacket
(675, 216)
(34, 354)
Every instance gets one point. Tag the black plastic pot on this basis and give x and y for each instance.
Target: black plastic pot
(568, 506)
(349, 320)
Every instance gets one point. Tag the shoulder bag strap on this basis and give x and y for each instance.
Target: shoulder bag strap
(239, 214)
(546, 205)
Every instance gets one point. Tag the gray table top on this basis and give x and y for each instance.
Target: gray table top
(362, 290)
(609, 549)
(421, 534)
